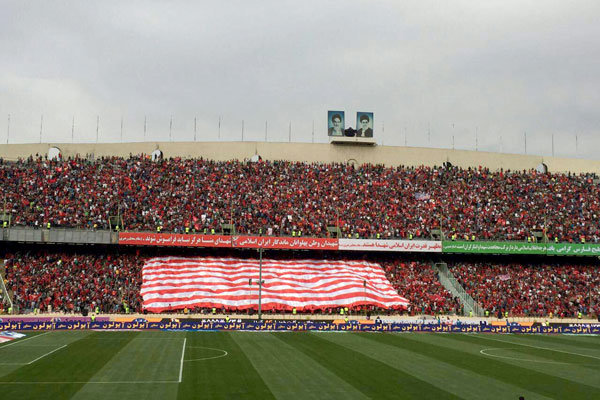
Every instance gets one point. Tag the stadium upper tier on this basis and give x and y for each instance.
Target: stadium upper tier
(293, 198)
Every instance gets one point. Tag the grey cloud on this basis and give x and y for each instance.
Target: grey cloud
(493, 69)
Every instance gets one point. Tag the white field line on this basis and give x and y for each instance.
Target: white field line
(545, 348)
(24, 340)
(182, 355)
(516, 358)
(47, 354)
(83, 382)
(225, 354)
(127, 330)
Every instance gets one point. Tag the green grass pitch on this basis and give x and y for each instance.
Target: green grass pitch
(298, 365)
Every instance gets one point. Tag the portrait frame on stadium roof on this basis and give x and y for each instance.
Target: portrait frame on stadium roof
(336, 123)
(364, 124)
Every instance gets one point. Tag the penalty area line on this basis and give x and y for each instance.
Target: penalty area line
(23, 340)
(181, 363)
(47, 354)
(544, 348)
(485, 352)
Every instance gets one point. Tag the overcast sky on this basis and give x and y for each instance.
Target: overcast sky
(429, 70)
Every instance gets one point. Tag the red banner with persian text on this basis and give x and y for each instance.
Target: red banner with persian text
(290, 243)
(173, 239)
(247, 242)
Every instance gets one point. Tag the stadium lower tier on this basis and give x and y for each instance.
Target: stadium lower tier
(561, 290)
(46, 281)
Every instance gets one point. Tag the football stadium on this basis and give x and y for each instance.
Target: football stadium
(314, 200)
(226, 275)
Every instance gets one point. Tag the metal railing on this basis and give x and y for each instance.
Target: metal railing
(448, 280)
(58, 235)
(5, 294)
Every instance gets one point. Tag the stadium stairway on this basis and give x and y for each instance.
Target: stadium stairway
(455, 288)
(6, 295)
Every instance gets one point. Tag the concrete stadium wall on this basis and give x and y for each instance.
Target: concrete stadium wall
(310, 152)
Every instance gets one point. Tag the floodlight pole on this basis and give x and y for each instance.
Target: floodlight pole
(429, 133)
(365, 294)
(337, 222)
(260, 282)
(41, 126)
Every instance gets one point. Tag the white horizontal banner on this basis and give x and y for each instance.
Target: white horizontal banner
(429, 246)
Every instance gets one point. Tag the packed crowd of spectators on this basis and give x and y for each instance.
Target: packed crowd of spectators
(418, 283)
(291, 198)
(60, 282)
(44, 281)
(532, 290)
(64, 282)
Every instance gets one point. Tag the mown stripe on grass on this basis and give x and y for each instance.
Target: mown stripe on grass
(372, 377)
(461, 382)
(590, 339)
(29, 336)
(19, 352)
(523, 349)
(584, 357)
(464, 352)
(289, 373)
(229, 377)
(77, 362)
(146, 368)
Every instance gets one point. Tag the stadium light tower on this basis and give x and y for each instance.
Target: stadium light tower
(41, 126)
(260, 283)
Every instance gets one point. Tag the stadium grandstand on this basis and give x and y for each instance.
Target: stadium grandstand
(159, 245)
(121, 210)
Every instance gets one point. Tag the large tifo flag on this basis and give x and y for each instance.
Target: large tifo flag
(171, 283)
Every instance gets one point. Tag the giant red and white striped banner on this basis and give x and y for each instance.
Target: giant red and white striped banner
(172, 283)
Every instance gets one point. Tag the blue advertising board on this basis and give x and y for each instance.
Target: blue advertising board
(286, 325)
